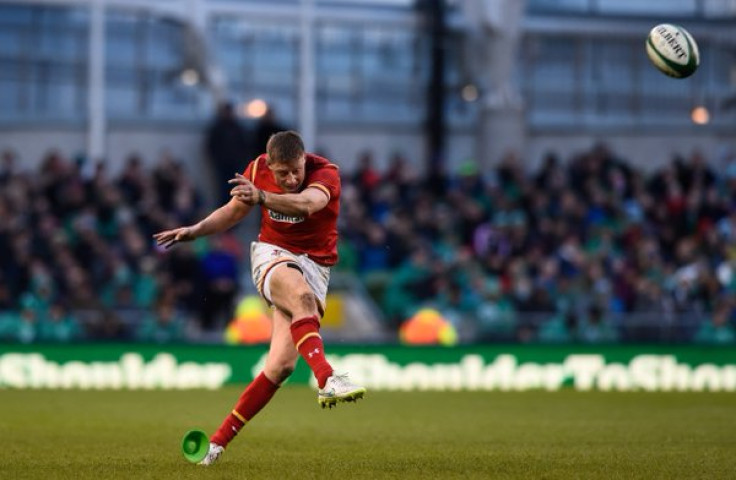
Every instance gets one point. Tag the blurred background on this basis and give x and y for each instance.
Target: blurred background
(513, 171)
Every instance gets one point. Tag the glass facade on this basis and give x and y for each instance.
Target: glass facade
(580, 81)
(373, 74)
(146, 56)
(43, 62)
(669, 8)
(368, 73)
(260, 61)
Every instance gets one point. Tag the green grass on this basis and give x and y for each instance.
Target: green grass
(101, 435)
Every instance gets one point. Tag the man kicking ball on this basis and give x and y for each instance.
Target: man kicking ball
(299, 195)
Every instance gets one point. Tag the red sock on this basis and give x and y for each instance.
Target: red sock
(305, 333)
(256, 395)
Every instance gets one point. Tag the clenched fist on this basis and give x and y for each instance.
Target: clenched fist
(245, 191)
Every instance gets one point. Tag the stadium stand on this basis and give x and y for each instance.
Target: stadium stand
(535, 247)
(593, 250)
(79, 261)
(587, 250)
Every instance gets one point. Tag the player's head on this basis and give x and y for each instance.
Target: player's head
(286, 159)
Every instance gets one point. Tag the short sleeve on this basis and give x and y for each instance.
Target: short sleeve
(326, 179)
(251, 171)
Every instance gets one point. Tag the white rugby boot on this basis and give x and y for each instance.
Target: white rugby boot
(339, 388)
(212, 455)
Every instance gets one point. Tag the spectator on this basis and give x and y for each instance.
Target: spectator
(227, 147)
(59, 326)
(8, 161)
(25, 327)
(220, 282)
(502, 247)
(164, 325)
(596, 328)
(366, 178)
(592, 230)
(559, 329)
(78, 262)
(717, 329)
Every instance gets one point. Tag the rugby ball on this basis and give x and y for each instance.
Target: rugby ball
(673, 50)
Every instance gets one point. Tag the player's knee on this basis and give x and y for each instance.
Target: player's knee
(307, 301)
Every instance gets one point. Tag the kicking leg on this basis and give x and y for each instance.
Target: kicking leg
(291, 294)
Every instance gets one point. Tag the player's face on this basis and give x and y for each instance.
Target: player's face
(289, 175)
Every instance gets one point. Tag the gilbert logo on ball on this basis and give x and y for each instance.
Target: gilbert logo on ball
(673, 50)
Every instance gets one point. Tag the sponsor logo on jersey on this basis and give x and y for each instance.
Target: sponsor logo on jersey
(280, 217)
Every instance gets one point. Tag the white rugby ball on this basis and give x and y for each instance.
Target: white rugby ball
(673, 50)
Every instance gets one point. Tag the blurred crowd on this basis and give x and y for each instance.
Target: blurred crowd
(78, 260)
(592, 249)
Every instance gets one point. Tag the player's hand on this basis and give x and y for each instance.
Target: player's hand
(244, 190)
(170, 237)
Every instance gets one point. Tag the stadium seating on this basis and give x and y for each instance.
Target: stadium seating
(591, 250)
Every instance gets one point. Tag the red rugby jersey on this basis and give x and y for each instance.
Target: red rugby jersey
(315, 235)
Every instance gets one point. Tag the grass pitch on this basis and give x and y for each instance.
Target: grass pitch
(102, 435)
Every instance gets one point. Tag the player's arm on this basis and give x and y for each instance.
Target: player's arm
(218, 221)
(303, 204)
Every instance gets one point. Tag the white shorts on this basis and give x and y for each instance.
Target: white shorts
(264, 257)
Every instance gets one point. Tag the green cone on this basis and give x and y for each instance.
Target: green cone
(195, 445)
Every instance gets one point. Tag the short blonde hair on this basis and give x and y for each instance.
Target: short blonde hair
(284, 147)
